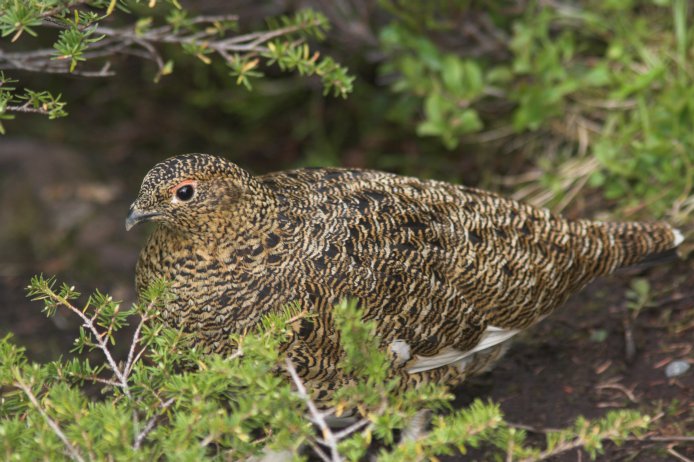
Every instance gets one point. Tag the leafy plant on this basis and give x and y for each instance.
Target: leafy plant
(167, 399)
(607, 85)
(12, 100)
(448, 84)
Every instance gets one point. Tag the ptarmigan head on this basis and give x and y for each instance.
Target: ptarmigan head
(187, 192)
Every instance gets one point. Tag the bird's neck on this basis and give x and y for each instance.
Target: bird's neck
(242, 224)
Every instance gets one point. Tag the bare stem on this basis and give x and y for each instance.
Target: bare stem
(150, 424)
(678, 456)
(94, 378)
(317, 417)
(132, 358)
(353, 428)
(72, 451)
(100, 339)
(26, 108)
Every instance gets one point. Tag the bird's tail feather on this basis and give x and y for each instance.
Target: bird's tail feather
(655, 259)
(633, 243)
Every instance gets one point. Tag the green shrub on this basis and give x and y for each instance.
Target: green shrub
(167, 400)
(608, 82)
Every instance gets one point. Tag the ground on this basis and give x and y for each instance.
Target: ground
(576, 362)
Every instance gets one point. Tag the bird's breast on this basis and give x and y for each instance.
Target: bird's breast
(219, 288)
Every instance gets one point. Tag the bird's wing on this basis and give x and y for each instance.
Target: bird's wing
(492, 336)
(436, 264)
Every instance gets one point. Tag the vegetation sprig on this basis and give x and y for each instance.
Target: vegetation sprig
(87, 45)
(166, 399)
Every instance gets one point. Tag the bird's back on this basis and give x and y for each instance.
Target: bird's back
(509, 261)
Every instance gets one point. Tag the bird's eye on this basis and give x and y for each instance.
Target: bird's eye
(185, 192)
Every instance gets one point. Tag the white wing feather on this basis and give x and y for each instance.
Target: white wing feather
(492, 336)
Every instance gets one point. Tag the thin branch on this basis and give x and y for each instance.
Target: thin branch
(678, 456)
(532, 429)
(74, 453)
(150, 424)
(101, 341)
(125, 40)
(52, 11)
(137, 358)
(665, 439)
(669, 300)
(560, 448)
(619, 387)
(211, 19)
(25, 108)
(95, 379)
(317, 416)
(317, 449)
(236, 354)
(152, 52)
(353, 428)
(256, 38)
(47, 68)
(129, 363)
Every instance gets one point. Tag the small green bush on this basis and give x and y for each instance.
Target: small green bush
(167, 400)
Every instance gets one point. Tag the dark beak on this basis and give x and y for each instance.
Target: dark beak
(136, 216)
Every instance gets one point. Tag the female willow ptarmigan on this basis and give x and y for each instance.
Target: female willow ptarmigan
(448, 273)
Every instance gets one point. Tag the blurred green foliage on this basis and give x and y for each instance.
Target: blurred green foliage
(597, 95)
(447, 84)
(618, 74)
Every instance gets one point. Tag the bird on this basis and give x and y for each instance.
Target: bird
(448, 274)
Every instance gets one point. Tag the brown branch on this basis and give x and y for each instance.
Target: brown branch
(614, 385)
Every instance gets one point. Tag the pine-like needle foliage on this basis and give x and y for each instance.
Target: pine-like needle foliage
(89, 42)
(166, 400)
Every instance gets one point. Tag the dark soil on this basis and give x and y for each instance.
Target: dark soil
(575, 363)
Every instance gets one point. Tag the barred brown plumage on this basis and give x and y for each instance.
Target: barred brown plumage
(449, 273)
